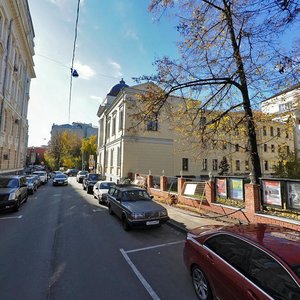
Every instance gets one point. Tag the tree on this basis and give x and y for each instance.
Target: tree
(224, 166)
(228, 59)
(89, 147)
(288, 166)
(64, 151)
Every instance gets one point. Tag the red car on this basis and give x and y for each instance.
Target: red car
(256, 261)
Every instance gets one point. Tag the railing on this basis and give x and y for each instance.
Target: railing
(156, 182)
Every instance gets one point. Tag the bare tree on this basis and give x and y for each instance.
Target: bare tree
(229, 59)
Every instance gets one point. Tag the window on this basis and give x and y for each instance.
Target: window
(237, 165)
(152, 125)
(232, 250)
(272, 148)
(215, 164)
(264, 131)
(204, 164)
(278, 132)
(185, 164)
(271, 131)
(113, 129)
(262, 268)
(265, 148)
(247, 165)
(121, 117)
(108, 129)
(111, 157)
(237, 147)
(266, 165)
(118, 156)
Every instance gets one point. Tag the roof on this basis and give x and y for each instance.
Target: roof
(114, 91)
(293, 87)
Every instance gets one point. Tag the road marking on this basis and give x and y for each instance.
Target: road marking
(17, 217)
(156, 246)
(140, 276)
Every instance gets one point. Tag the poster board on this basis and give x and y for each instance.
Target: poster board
(272, 193)
(293, 189)
(236, 188)
(221, 187)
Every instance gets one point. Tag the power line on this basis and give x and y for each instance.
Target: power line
(73, 57)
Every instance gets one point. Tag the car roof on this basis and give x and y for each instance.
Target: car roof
(128, 187)
(12, 176)
(281, 241)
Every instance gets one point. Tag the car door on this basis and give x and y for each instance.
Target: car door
(225, 261)
(118, 203)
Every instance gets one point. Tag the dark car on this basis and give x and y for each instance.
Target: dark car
(31, 184)
(80, 175)
(89, 181)
(71, 172)
(135, 207)
(60, 179)
(256, 261)
(13, 191)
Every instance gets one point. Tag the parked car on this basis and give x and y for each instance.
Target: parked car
(134, 206)
(60, 179)
(53, 173)
(13, 191)
(37, 180)
(100, 190)
(256, 261)
(43, 176)
(80, 175)
(71, 172)
(31, 184)
(89, 181)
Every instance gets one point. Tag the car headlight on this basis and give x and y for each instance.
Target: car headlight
(12, 196)
(137, 216)
(163, 213)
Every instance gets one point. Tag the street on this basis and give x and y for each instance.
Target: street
(63, 245)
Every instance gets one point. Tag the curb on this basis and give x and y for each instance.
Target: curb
(174, 225)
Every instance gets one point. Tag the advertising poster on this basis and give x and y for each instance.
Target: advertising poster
(221, 187)
(236, 189)
(294, 195)
(272, 193)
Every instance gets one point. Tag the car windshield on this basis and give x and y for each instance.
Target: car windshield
(60, 176)
(9, 182)
(29, 180)
(135, 195)
(94, 177)
(106, 185)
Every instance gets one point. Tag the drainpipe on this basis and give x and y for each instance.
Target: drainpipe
(5, 70)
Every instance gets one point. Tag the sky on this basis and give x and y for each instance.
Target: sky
(116, 39)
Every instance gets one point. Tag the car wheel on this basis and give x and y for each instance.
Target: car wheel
(110, 211)
(17, 205)
(125, 224)
(201, 284)
(83, 187)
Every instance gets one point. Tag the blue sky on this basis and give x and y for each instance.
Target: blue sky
(116, 39)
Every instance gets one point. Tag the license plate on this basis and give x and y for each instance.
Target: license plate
(152, 222)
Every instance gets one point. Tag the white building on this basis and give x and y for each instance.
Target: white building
(284, 105)
(16, 72)
(127, 145)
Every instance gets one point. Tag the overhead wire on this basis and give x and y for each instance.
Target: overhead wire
(73, 58)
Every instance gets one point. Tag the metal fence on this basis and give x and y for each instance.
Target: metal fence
(172, 184)
(156, 182)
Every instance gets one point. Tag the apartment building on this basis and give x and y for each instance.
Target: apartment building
(83, 130)
(283, 106)
(164, 145)
(16, 72)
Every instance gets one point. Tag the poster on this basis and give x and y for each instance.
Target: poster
(190, 189)
(293, 195)
(272, 193)
(221, 187)
(236, 189)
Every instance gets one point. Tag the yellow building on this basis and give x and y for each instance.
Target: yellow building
(165, 143)
(16, 72)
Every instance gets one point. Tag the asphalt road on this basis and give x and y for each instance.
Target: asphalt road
(63, 245)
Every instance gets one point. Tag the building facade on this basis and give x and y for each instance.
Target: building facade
(283, 106)
(127, 145)
(81, 129)
(16, 72)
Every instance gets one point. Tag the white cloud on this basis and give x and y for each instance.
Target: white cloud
(117, 68)
(131, 34)
(95, 97)
(85, 72)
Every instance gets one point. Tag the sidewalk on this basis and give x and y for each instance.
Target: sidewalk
(185, 220)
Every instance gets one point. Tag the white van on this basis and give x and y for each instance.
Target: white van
(43, 176)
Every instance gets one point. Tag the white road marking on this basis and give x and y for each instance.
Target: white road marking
(17, 217)
(140, 276)
(156, 246)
